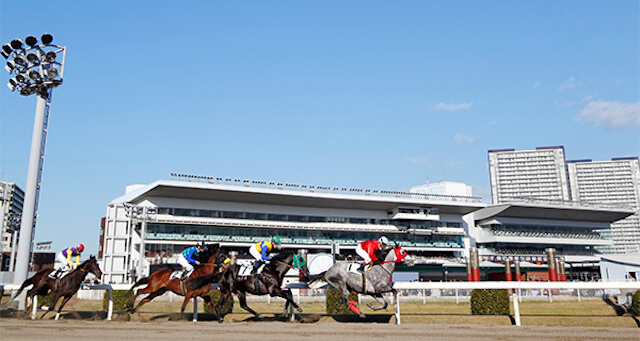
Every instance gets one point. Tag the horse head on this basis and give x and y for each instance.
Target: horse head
(291, 260)
(91, 265)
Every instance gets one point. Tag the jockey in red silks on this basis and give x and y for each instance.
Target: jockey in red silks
(368, 248)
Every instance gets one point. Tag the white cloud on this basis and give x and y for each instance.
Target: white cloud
(570, 83)
(536, 84)
(613, 114)
(462, 138)
(453, 106)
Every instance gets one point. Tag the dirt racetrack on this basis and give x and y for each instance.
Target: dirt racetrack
(28, 330)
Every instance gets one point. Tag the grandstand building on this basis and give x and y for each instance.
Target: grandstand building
(11, 200)
(166, 216)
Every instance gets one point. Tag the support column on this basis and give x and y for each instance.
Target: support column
(551, 261)
(475, 264)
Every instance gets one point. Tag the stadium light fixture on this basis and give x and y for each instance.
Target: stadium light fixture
(37, 71)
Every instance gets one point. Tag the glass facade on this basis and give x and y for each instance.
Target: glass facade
(213, 233)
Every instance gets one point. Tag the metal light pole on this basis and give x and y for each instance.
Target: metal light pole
(140, 214)
(37, 71)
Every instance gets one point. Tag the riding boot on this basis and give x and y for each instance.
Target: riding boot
(256, 266)
(361, 268)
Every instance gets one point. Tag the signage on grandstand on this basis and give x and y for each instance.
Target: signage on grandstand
(43, 246)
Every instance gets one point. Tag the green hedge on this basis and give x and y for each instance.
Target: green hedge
(635, 303)
(335, 305)
(45, 300)
(490, 302)
(120, 299)
(227, 307)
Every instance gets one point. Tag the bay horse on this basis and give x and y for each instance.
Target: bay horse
(269, 281)
(160, 281)
(65, 287)
(375, 281)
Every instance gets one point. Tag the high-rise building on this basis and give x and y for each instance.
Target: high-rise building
(544, 174)
(522, 175)
(614, 182)
(11, 200)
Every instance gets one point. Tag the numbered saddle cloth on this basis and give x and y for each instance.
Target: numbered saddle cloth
(247, 269)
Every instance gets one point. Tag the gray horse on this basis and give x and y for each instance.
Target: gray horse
(375, 281)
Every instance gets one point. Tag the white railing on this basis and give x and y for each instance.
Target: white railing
(516, 286)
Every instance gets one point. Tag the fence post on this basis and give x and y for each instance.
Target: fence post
(35, 306)
(110, 311)
(397, 306)
(516, 308)
(195, 309)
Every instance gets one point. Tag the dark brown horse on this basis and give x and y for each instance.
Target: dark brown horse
(65, 287)
(159, 282)
(269, 281)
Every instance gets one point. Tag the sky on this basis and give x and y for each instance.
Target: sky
(358, 94)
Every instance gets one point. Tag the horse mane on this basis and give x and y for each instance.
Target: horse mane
(282, 255)
(91, 258)
(382, 254)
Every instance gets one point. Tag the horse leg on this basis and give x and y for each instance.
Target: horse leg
(380, 299)
(64, 301)
(287, 295)
(187, 297)
(224, 294)
(56, 297)
(149, 298)
(207, 299)
(242, 298)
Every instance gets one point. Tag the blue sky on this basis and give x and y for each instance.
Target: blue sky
(360, 94)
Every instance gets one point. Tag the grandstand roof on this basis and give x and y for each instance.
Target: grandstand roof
(557, 212)
(292, 197)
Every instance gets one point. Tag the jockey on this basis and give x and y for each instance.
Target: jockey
(63, 260)
(368, 248)
(260, 251)
(187, 258)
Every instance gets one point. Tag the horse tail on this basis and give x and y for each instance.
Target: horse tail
(316, 281)
(26, 283)
(141, 281)
(199, 282)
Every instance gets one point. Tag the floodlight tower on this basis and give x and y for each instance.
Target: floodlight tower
(37, 71)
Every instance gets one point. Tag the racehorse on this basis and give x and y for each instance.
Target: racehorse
(65, 287)
(269, 281)
(375, 281)
(160, 281)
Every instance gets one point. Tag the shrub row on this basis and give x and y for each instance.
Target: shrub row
(227, 307)
(635, 303)
(120, 299)
(335, 305)
(489, 302)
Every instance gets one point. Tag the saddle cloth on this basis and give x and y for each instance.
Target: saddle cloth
(55, 274)
(176, 274)
(353, 267)
(246, 269)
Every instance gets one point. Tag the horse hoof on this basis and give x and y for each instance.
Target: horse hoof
(299, 310)
(258, 316)
(362, 316)
(220, 320)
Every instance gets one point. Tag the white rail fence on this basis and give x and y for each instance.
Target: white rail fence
(516, 287)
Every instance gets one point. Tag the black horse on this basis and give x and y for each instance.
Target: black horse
(269, 281)
(65, 287)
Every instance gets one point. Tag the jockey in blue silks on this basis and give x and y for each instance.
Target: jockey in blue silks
(260, 251)
(187, 258)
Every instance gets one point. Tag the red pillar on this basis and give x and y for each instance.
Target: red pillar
(551, 261)
(475, 265)
(469, 277)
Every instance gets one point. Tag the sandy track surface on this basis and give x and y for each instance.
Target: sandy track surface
(27, 330)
